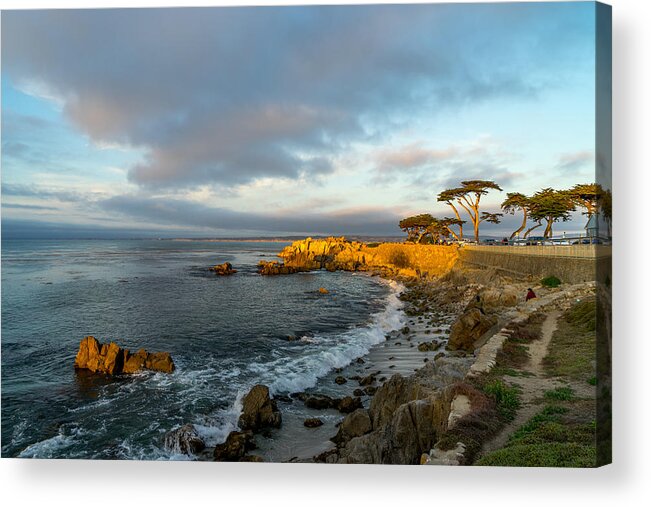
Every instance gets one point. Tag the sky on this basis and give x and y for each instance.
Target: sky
(271, 121)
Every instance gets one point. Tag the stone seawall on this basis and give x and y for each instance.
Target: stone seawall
(572, 264)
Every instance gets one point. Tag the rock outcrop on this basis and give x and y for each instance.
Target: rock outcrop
(276, 268)
(259, 410)
(111, 359)
(224, 269)
(479, 316)
(184, 440)
(332, 254)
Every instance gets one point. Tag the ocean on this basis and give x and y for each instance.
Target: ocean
(225, 335)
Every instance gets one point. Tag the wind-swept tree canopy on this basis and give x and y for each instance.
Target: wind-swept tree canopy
(551, 206)
(587, 196)
(468, 196)
(492, 218)
(424, 228)
(449, 197)
(416, 226)
(516, 201)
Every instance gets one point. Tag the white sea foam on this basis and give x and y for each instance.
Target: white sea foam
(51, 447)
(327, 352)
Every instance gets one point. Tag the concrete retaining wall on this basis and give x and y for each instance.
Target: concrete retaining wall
(572, 264)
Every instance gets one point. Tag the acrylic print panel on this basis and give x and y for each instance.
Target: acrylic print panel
(343, 234)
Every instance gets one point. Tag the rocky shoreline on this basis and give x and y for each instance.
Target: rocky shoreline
(456, 326)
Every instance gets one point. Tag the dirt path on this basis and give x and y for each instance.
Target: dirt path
(532, 386)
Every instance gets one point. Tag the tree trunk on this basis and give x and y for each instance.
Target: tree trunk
(526, 234)
(524, 224)
(456, 214)
(548, 229)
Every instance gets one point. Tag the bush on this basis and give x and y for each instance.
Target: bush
(560, 394)
(550, 282)
(399, 259)
(506, 398)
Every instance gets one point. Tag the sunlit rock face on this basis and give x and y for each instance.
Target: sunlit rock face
(333, 254)
(111, 359)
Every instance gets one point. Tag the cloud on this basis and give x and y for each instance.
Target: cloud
(184, 213)
(47, 193)
(424, 167)
(229, 95)
(575, 160)
(35, 207)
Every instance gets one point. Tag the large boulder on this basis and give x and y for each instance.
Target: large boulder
(184, 440)
(395, 392)
(354, 425)
(276, 268)
(259, 410)
(113, 360)
(348, 404)
(469, 328)
(320, 401)
(494, 299)
(160, 361)
(237, 444)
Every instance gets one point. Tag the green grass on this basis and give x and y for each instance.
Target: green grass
(550, 454)
(506, 398)
(550, 282)
(592, 381)
(560, 394)
(551, 438)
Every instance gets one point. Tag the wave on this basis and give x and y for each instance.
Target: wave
(327, 353)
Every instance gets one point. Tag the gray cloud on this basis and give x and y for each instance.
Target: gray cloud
(35, 207)
(575, 160)
(46, 193)
(179, 212)
(230, 95)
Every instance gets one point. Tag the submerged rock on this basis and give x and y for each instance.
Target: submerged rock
(312, 422)
(223, 269)
(113, 360)
(259, 410)
(184, 440)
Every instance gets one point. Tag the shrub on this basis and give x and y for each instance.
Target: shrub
(506, 398)
(560, 394)
(550, 282)
(399, 259)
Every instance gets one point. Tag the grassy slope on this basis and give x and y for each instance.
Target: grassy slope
(562, 434)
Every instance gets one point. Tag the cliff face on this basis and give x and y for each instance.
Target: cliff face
(334, 254)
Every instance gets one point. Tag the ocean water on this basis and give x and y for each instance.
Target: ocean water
(225, 335)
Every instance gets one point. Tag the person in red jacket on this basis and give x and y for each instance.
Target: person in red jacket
(530, 294)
